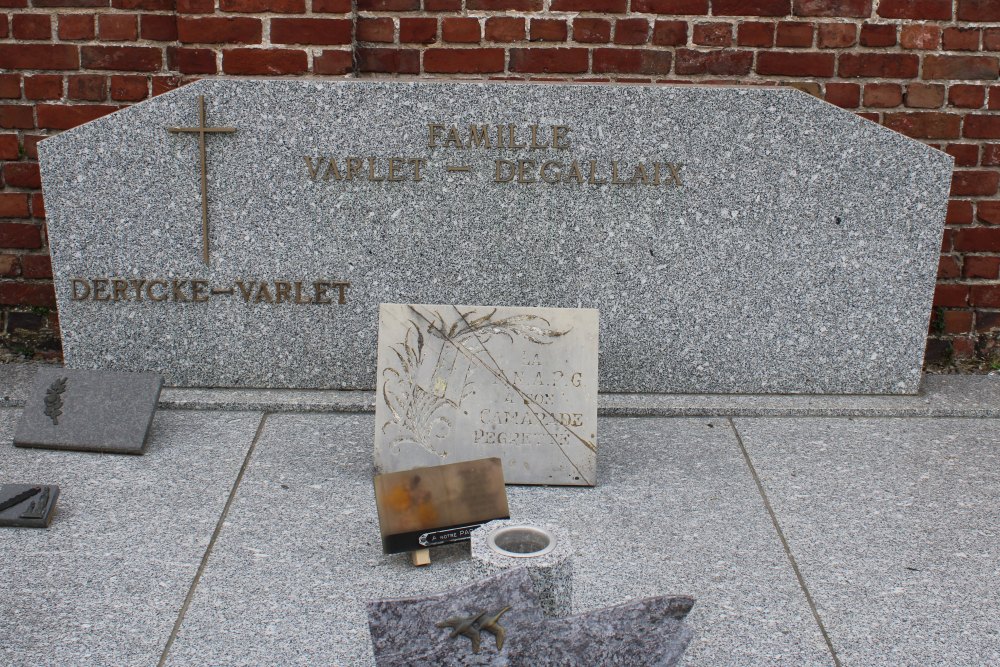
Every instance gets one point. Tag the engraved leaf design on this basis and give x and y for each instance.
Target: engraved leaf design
(474, 332)
(53, 399)
(414, 409)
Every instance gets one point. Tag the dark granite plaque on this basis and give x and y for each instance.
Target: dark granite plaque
(428, 507)
(27, 505)
(101, 411)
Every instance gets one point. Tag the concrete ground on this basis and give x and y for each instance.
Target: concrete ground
(811, 530)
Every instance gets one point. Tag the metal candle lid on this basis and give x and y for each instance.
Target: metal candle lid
(521, 541)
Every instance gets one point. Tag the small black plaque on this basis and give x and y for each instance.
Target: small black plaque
(27, 505)
(84, 410)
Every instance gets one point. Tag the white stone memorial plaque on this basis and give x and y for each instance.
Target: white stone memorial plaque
(458, 383)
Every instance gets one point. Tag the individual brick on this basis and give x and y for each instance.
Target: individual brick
(967, 96)
(549, 60)
(966, 155)
(43, 86)
(631, 61)
(392, 61)
(846, 8)
(65, 117)
(631, 31)
(77, 26)
(981, 267)
(39, 56)
(922, 10)
(264, 61)
(17, 235)
(883, 95)
(381, 29)
(836, 35)
(920, 36)
(925, 125)
(795, 64)
(545, 30)
(598, 31)
(465, 61)
(794, 35)
(878, 35)
(16, 117)
(461, 30)
(961, 67)
(879, 65)
(129, 88)
(669, 33)
(192, 60)
(844, 95)
(333, 61)
(724, 62)
(31, 26)
(924, 95)
(118, 27)
(14, 204)
(968, 183)
(158, 27)
(961, 39)
(959, 212)
(262, 6)
(219, 30)
(978, 10)
(751, 7)
(754, 33)
(424, 30)
(713, 34)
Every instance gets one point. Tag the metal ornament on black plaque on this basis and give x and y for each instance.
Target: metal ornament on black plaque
(27, 505)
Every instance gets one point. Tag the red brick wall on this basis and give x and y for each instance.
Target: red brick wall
(927, 68)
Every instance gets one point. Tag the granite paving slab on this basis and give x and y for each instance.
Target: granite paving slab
(893, 523)
(104, 583)
(675, 512)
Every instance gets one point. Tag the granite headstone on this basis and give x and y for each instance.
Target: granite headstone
(458, 383)
(86, 410)
(735, 240)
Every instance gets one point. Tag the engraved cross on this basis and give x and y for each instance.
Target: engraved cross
(202, 130)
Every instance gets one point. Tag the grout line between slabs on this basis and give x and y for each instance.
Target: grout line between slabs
(784, 543)
(211, 543)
